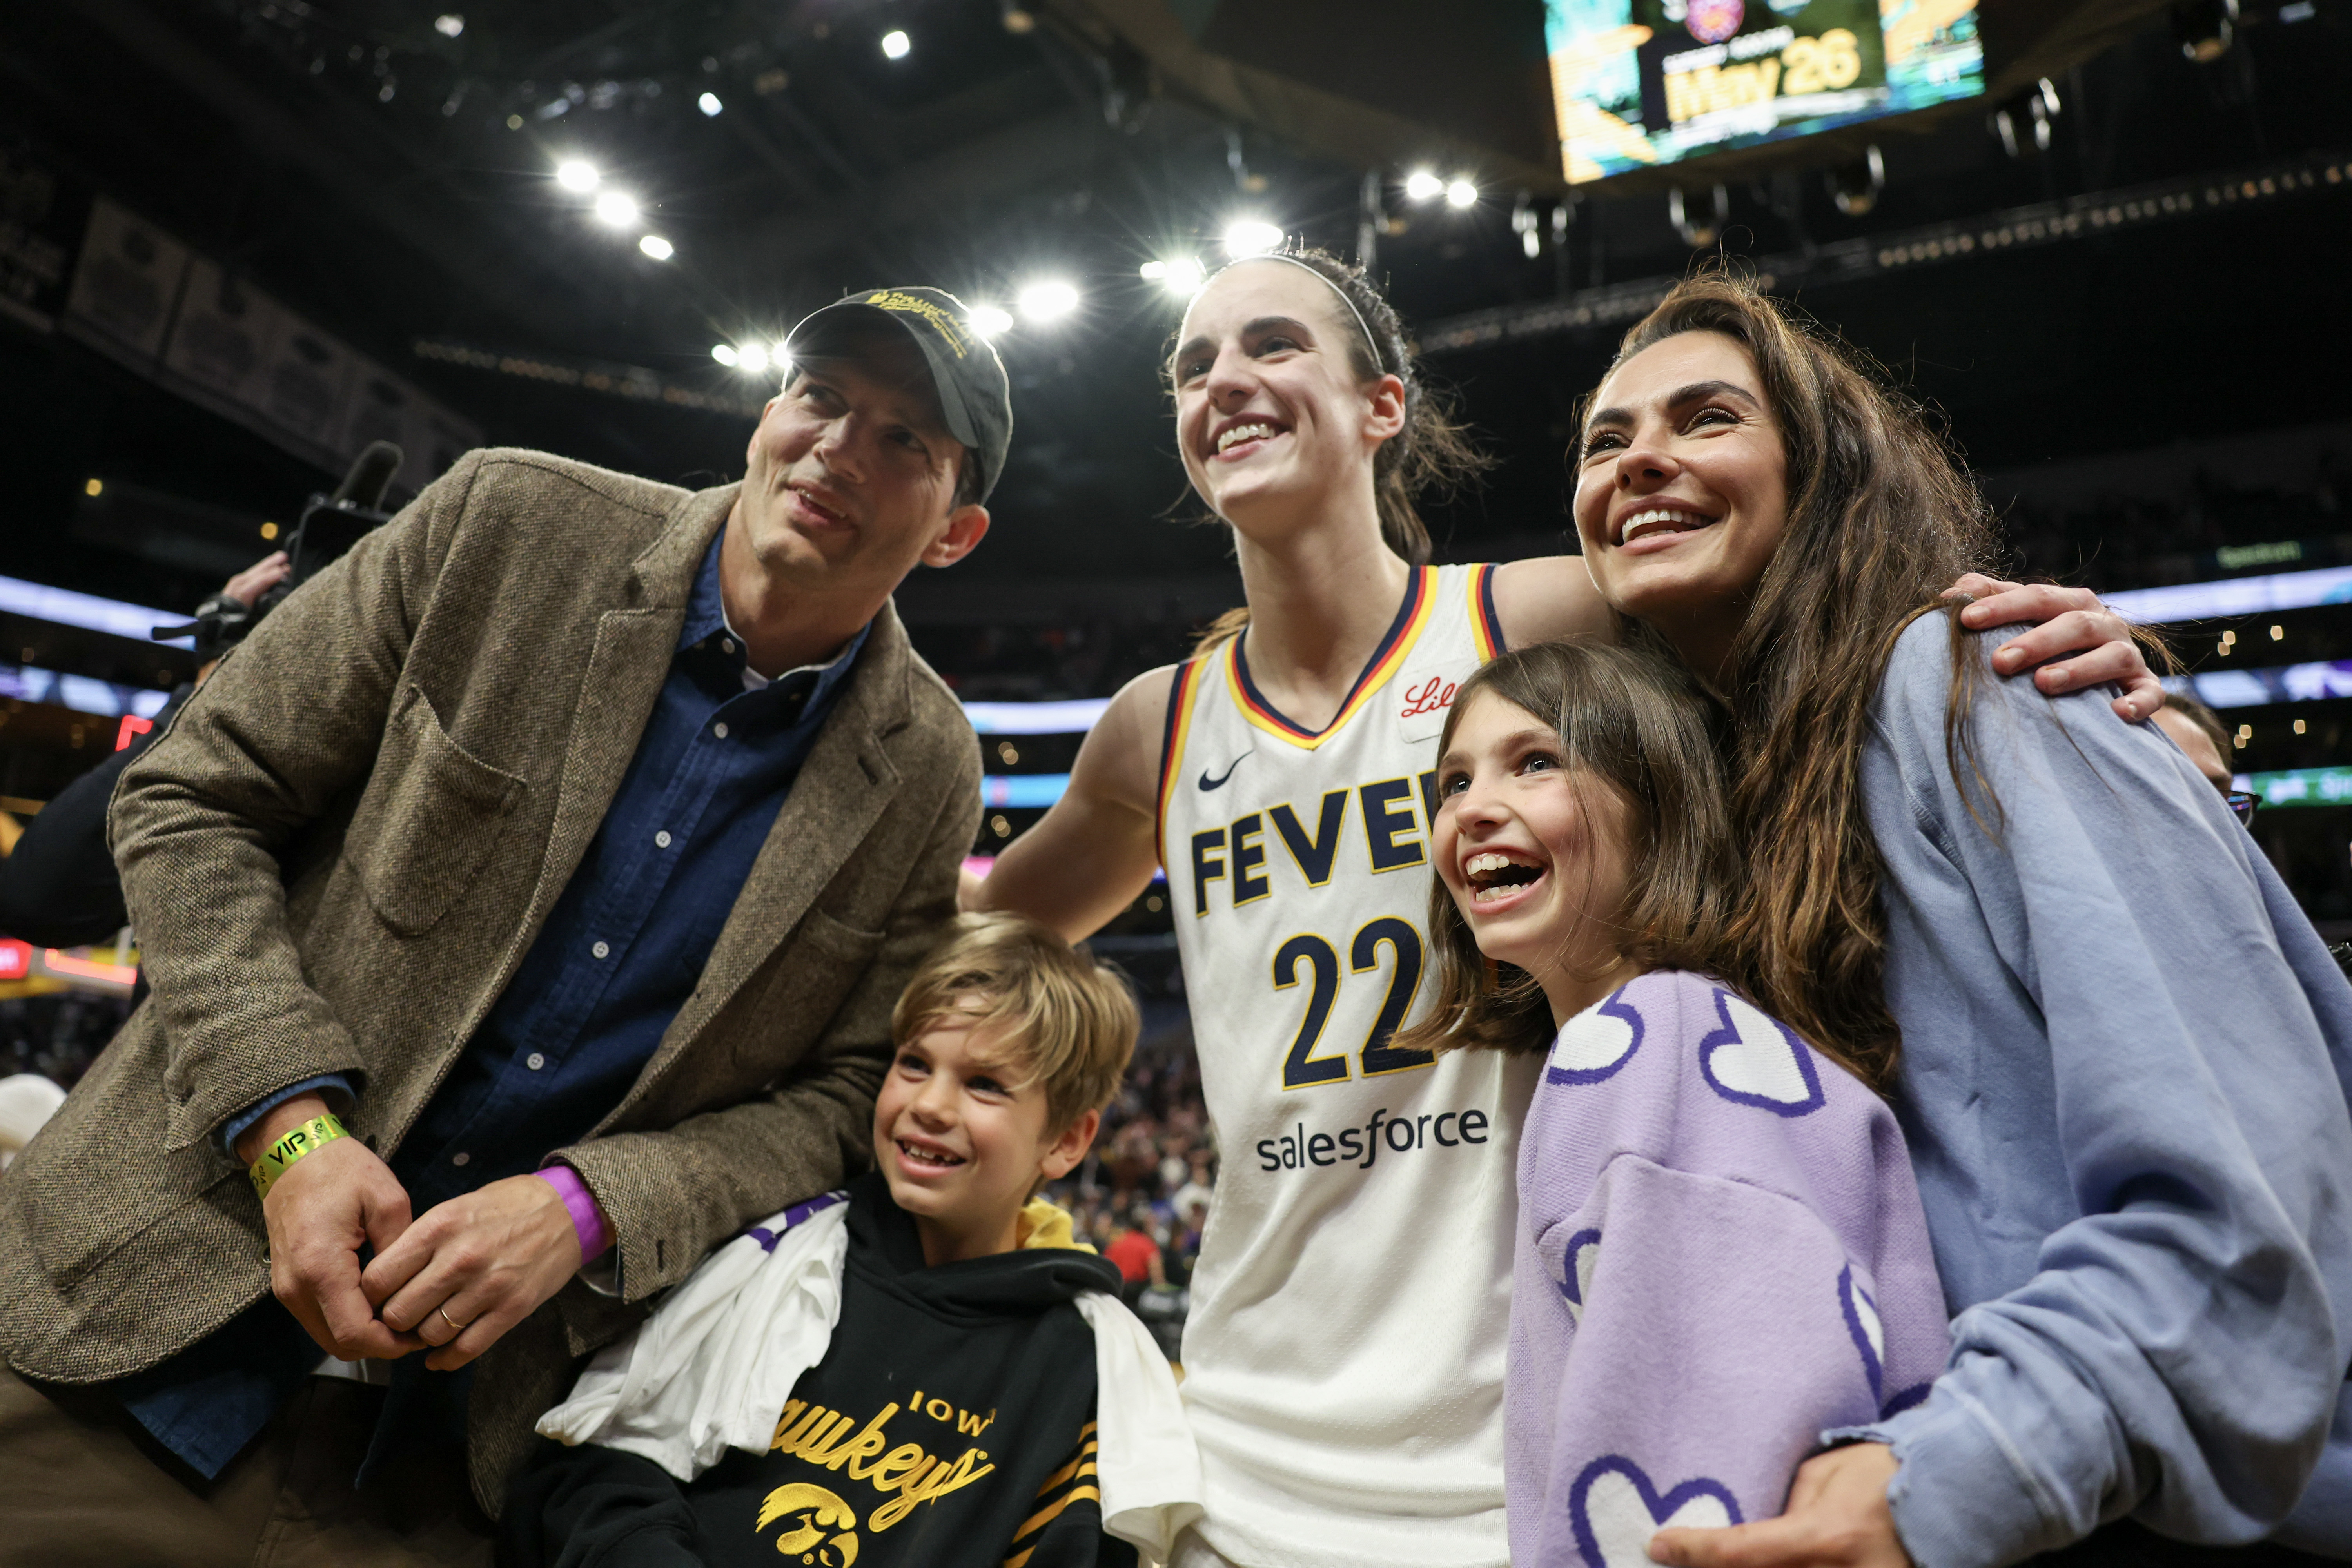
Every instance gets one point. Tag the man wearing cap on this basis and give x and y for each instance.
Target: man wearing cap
(525, 902)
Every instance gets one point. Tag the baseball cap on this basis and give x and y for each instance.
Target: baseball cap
(975, 398)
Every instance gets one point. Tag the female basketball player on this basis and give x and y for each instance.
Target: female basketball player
(1344, 1357)
(2122, 1047)
(1719, 1251)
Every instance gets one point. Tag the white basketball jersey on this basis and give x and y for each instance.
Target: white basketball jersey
(1344, 1358)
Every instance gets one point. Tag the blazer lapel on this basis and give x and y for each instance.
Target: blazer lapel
(631, 659)
(842, 791)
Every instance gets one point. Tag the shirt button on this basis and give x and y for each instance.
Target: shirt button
(726, 645)
(534, 1062)
(720, 729)
(459, 1159)
(602, 949)
(661, 839)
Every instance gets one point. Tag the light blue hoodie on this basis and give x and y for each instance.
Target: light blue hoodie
(2127, 1057)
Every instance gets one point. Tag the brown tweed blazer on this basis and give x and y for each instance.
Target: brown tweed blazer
(341, 849)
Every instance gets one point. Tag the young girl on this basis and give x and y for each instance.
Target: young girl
(1720, 1258)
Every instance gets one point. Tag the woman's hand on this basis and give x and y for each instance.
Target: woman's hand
(1837, 1517)
(469, 1270)
(2068, 621)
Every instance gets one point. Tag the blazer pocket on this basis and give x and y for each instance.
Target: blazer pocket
(429, 820)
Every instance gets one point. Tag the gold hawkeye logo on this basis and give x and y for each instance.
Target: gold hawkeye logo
(812, 1511)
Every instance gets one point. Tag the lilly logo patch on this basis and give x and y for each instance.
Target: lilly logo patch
(1595, 1043)
(1575, 1271)
(1614, 1508)
(1862, 1323)
(1754, 1061)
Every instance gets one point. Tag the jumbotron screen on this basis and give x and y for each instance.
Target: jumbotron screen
(1642, 83)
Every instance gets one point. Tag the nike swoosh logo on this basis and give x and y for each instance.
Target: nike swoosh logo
(1219, 781)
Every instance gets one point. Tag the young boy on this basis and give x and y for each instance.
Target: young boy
(949, 1418)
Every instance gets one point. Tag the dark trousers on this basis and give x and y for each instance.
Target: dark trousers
(2128, 1545)
(85, 1484)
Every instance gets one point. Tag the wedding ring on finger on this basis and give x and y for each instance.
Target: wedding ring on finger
(455, 1328)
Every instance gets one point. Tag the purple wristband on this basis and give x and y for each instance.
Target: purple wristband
(587, 1219)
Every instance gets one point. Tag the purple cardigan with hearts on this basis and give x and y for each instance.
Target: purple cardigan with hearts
(1720, 1255)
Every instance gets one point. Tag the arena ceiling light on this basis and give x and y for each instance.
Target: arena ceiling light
(1184, 275)
(751, 359)
(988, 320)
(1421, 185)
(1047, 299)
(449, 24)
(657, 247)
(1252, 237)
(1461, 192)
(709, 103)
(895, 44)
(577, 175)
(616, 209)
(725, 355)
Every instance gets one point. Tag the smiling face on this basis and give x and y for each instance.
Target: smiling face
(961, 1145)
(1271, 413)
(1681, 492)
(1534, 855)
(850, 477)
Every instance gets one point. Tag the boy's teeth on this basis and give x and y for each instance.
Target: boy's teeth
(1241, 432)
(925, 1157)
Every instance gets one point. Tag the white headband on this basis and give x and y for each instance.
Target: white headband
(1370, 341)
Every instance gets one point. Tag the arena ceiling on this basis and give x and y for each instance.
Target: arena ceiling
(389, 171)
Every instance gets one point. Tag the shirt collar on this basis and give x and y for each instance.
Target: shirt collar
(707, 632)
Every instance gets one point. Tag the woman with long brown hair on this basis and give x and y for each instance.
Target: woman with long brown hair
(2116, 1047)
(1344, 1355)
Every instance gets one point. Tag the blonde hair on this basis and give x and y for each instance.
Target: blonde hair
(1067, 1020)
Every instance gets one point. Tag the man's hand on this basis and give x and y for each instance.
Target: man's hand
(248, 586)
(473, 1268)
(2069, 620)
(1837, 1517)
(321, 1211)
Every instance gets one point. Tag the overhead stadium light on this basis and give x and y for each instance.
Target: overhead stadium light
(895, 44)
(657, 247)
(1461, 192)
(616, 209)
(576, 174)
(724, 353)
(1183, 275)
(751, 359)
(988, 320)
(1252, 237)
(1421, 185)
(1048, 300)
(709, 103)
(449, 24)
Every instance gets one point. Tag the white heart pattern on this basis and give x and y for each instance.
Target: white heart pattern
(1613, 1511)
(1754, 1061)
(1575, 1271)
(1596, 1042)
(1861, 1322)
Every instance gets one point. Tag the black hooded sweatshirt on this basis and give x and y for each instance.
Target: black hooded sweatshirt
(949, 1424)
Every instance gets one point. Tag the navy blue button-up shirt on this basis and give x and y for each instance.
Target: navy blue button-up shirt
(621, 952)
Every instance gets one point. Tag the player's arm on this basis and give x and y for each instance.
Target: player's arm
(1092, 854)
(2073, 640)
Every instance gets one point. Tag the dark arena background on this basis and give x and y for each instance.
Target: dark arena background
(2104, 239)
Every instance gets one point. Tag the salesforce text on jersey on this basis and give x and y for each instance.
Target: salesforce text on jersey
(1360, 1146)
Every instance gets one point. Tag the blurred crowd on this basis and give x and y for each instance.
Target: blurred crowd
(1141, 1195)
